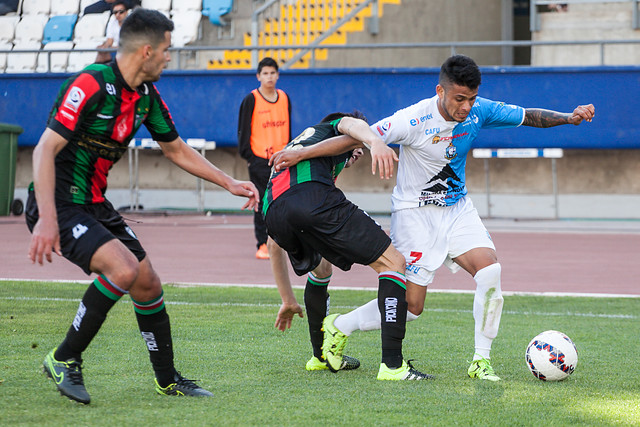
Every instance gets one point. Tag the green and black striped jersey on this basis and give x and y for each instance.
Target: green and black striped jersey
(320, 169)
(98, 113)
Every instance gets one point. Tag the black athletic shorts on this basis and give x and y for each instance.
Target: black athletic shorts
(84, 228)
(314, 220)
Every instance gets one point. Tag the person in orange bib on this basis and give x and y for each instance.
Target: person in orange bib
(264, 128)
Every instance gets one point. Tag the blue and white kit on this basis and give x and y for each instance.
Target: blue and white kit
(426, 225)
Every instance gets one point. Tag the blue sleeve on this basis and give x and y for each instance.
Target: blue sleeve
(498, 115)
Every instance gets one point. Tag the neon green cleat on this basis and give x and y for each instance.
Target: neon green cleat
(405, 372)
(67, 375)
(333, 343)
(348, 363)
(481, 368)
(182, 387)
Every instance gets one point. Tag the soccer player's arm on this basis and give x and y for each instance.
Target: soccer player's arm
(74, 99)
(244, 127)
(541, 118)
(45, 237)
(162, 129)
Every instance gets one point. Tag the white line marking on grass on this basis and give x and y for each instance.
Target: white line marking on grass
(346, 307)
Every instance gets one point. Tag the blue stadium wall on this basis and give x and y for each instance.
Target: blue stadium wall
(204, 104)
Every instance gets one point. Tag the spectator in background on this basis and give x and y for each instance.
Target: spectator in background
(264, 128)
(8, 6)
(105, 5)
(119, 11)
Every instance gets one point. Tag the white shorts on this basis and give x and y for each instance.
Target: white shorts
(431, 235)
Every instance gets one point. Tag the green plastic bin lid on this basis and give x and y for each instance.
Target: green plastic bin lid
(7, 128)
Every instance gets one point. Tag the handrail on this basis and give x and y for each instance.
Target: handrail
(326, 34)
(452, 45)
(255, 16)
(534, 19)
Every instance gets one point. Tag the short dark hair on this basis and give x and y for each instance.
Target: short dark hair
(144, 25)
(120, 3)
(460, 70)
(267, 62)
(337, 115)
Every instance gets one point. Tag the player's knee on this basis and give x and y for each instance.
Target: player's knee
(125, 275)
(415, 307)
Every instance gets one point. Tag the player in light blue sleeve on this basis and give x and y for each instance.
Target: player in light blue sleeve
(432, 221)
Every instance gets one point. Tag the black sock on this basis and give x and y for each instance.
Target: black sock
(392, 304)
(155, 327)
(316, 302)
(92, 312)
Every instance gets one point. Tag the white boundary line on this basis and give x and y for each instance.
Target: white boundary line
(427, 310)
(357, 288)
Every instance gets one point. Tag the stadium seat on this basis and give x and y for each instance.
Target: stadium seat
(36, 7)
(161, 5)
(58, 60)
(186, 5)
(8, 28)
(59, 28)
(65, 7)
(216, 9)
(30, 29)
(78, 60)
(187, 25)
(22, 62)
(91, 28)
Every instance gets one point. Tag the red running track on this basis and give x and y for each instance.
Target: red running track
(536, 256)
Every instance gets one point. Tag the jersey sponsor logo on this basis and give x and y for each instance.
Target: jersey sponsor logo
(274, 123)
(413, 268)
(416, 121)
(74, 99)
(431, 131)
(122, 129)
(450, 152)
(438, 138)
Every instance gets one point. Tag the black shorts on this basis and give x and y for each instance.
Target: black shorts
(314, 220)
(84, 228)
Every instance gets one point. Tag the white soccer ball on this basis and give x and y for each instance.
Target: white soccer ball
(551, 356)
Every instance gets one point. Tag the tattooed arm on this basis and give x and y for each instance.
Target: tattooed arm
(539, 118)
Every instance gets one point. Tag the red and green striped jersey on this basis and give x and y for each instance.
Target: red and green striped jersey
(98, 113)
(320, 169)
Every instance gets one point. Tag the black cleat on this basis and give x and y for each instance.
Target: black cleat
(182, 387)
(68, 377)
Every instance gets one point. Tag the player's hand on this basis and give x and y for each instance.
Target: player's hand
(582, 112)
(284, 159)
(286, 314)
(246, 189)
(44, 240)
(382, 158)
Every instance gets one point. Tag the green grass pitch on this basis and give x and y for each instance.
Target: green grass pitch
(225, 338)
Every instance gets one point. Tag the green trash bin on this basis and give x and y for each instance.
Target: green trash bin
(8, 151)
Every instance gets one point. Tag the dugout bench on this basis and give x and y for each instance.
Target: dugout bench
(133, 150)
(520, 153)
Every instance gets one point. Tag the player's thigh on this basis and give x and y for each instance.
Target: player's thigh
(470, 244)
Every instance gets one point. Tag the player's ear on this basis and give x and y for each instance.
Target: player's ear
(440, 91)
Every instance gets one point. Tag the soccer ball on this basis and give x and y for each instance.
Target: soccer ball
(551, 356)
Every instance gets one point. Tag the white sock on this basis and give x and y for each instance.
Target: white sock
(487, 308)
(363, 318)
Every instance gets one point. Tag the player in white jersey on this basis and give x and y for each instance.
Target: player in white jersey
(432, 220)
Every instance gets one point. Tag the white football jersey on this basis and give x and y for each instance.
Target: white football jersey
(433, 151)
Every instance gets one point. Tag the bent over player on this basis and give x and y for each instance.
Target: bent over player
(432, 220)
(313, 221)
(94, 118)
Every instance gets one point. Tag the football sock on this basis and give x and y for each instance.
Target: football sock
(364, 318)
(101, 295)
(392, 305)
(487, 309)
(316, 302)
(155, 328)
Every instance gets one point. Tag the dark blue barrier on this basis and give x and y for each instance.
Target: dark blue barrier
(204, 104)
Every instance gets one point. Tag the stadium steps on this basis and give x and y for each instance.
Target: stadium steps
(300, 23)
